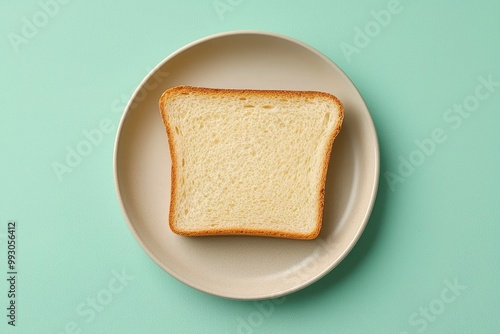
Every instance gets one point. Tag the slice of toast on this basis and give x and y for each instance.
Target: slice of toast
(249, 162)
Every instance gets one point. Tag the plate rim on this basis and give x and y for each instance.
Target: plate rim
(373, 191)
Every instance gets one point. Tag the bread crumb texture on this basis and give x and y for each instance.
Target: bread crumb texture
(249, 162)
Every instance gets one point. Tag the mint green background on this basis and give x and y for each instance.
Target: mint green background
(442, 223)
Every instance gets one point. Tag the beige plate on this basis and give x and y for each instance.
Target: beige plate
(237, 266)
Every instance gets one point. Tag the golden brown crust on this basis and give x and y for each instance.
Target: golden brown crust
(178, 90)
(173, 157)
(326, 162)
